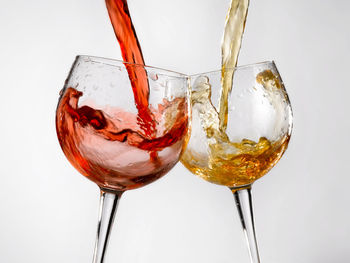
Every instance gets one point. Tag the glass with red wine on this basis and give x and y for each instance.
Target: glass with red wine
(123, 126)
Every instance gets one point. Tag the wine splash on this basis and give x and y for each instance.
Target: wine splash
(111, 150)
(226, 162)
(229, 163)
(250, 161)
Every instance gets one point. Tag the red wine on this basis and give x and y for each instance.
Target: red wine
(111, 149)
(131, 51)
(121, 150)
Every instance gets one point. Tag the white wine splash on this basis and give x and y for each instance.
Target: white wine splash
(221, 161)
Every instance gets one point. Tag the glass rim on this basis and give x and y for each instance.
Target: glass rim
(116, 63)
(272, 62)
(105, 60)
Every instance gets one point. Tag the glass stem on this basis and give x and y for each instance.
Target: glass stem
(108, 207)
(243, 200)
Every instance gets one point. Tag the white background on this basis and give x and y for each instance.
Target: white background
(49, 211)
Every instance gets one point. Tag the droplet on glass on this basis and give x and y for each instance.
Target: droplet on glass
(154, 76)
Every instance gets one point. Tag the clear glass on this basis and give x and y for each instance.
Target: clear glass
(259, 125)
(117, 137)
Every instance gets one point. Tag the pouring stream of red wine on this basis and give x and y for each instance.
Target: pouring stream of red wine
(131, 52)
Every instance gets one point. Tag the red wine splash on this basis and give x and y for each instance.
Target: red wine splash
(121, 150)
(115, 154)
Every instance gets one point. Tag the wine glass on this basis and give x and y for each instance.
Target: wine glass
(247, 141)
(122, 126)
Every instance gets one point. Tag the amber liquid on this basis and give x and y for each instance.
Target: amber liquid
(233, 164)
(112, 150)
(250, 161)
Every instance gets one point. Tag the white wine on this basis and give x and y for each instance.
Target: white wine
(249, 161)
(230, 47)
(218, 160)
(232, 164)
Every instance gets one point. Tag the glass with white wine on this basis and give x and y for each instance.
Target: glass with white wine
(238, 138)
